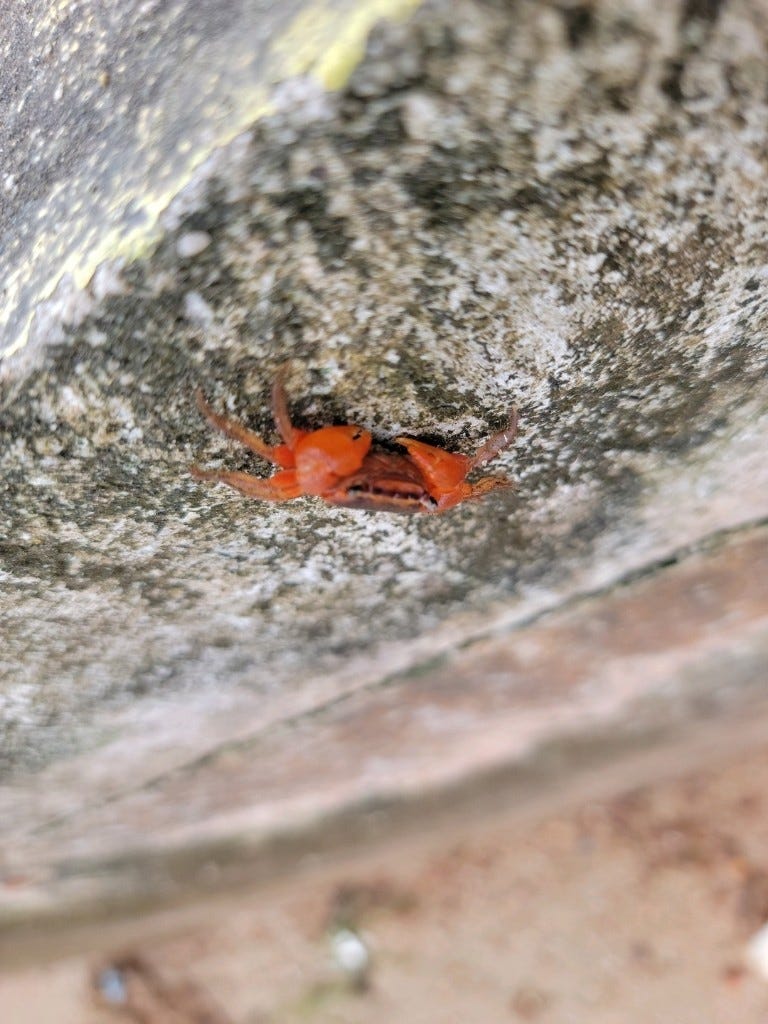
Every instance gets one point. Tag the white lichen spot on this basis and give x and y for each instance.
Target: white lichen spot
(108, 280)
(71, 405)
(421, 117)
(192, 243)
(196, 310)
(95, 337)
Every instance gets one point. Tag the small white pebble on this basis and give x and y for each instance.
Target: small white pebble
(757, 952)
(112, 986)
(350, 952)
(192, 244)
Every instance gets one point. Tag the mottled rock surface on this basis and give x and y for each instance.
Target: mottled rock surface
(560, 207)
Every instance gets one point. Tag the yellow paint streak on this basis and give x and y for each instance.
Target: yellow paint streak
(325, 41)
(343, 55)
(328, 43)
(118, 242)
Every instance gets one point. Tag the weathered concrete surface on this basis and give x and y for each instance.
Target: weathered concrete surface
(564, 209)
(635, 909)
(577, 693)
(105, 110)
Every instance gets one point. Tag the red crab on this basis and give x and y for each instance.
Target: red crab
(343, 467)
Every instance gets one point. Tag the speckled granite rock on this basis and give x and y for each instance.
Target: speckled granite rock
(561, 207)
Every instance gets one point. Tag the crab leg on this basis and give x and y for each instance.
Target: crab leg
(280, 487)
(469, 492)
(285, 428)
(496, 443)
(279, 455)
